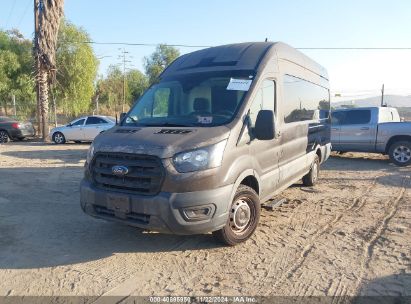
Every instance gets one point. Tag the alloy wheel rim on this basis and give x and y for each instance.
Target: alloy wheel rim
(402, 154)
(3, 136)
(58, 138)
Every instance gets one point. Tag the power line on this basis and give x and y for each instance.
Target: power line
(139, 44)
(207, 46)
(24, 13)
(11, 11)
(354, 48)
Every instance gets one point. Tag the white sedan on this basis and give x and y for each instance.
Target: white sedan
(82, 129)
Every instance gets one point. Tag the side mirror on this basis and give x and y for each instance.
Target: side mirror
(264, 126)
(122, 115)
(69, 125)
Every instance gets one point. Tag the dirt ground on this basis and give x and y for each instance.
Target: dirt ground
(350, 235)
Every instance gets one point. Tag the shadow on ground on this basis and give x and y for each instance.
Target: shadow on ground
(397, 285)
(362, 162)
(42, 224)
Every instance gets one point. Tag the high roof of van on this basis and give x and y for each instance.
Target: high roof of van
(240, 56)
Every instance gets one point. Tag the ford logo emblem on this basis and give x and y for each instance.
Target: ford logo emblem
(119, 170)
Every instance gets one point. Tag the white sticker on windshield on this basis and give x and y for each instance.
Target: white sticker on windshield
(239, 84)
(205, 119)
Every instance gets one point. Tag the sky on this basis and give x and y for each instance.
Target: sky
(302, 24)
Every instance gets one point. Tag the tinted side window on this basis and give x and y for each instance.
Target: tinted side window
(95, 121)
(337, 118)
(357, 117)
(304, 100)
(264, 100)
(78, 122)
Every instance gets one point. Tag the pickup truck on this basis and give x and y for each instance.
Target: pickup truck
(373, 129)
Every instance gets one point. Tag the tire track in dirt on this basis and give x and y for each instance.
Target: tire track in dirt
(358, 202)
(368, 247)
(130, 285)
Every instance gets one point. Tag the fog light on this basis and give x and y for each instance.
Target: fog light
(198, 213)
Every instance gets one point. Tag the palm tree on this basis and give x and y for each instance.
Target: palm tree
(49, 15)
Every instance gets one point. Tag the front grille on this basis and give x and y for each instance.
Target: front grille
(132, 216)
(145, 173)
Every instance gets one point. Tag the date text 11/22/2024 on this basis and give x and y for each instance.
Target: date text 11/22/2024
(202, 299)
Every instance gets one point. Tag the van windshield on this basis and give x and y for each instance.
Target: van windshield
(201, 99)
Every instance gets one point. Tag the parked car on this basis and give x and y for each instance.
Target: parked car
(82, 129)
(373, 129)
(13, 129)
(224, 130)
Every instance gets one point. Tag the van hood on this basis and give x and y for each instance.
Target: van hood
(163, 142)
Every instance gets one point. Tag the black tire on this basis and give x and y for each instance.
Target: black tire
(400, 153)
(59, 138)
(247, 202)
(4, 137)
(311, 178)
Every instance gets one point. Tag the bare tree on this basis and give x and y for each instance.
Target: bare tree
(49, 15)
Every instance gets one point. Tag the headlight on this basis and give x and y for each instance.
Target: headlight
(90, 154)
(200, 159)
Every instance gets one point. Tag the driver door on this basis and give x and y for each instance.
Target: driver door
(93, 127)
(74, 131)
(265, 152)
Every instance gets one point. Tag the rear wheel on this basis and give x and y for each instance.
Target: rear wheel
(4, 136)
(59, 138)
(312, 176)
(243, 217)
(400, 153)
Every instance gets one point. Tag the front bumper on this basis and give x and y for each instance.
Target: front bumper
(325, 152)
(162, 212)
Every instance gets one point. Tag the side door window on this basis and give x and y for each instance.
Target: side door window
(95, 121)
(264, 100)
(337, 118)
(357, 117)
(78, 123)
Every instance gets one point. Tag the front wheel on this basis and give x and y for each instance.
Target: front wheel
(59, 138)
(243, 218)
(312, 176)
(400, 153)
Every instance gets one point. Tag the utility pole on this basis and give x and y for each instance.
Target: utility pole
(124, 57)
(14, 105)
(382, 96)
(55, 111)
